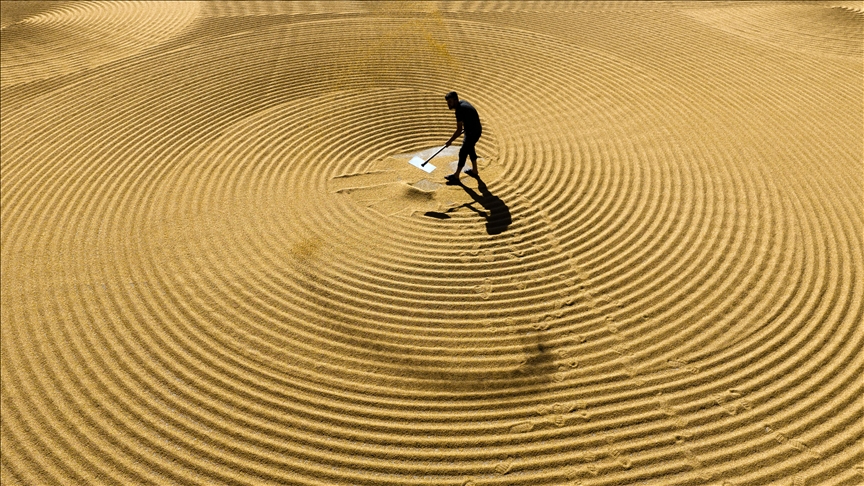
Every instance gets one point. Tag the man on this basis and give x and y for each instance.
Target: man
(467, 120)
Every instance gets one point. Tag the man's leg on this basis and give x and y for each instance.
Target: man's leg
(473, 154)
(463, 154)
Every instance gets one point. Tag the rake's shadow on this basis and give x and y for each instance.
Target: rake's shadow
(496, 213)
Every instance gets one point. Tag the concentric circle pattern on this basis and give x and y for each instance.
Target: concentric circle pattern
(219, 268)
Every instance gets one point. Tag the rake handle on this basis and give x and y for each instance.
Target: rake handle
(433, 156)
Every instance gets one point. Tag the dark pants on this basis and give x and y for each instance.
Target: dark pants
(467, 150)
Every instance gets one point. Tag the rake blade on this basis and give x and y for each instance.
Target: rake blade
(418, 162)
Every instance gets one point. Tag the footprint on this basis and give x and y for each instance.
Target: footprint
(522, 428)
(682, 437)
(732, 401)
(666, 407)
(538, 324)
(559, 420)
(697, 464)
(620, 459)
(582, 408)
(628, 362)
(804, 448)
(564, 356)
(505, 466)
(780, 438)
(621, 349)
(566, 300)
(616, 455)
(484, 289)
(559, 376)
(670, 411)
(794, 443)
(558, 411)
(681, 422)
(729, 408)
(682, 364)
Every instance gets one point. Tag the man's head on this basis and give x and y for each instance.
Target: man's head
(452, 100)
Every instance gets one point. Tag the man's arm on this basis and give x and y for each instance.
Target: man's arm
(455, 134)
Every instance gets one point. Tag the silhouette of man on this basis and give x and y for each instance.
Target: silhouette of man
(497, 214)
(467, 120)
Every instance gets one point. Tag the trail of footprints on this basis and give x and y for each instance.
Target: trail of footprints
(574, 285)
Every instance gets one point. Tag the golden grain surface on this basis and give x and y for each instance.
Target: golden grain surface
(218, 268)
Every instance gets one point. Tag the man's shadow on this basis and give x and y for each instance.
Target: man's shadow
(496, 213)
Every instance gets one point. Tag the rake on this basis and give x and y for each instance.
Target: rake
(425, 165)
